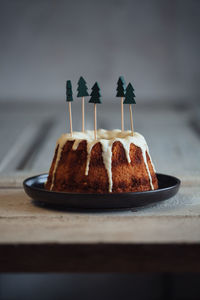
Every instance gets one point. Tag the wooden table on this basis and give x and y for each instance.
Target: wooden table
(163, 237)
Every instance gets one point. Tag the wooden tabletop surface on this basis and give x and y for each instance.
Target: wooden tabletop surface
(162, 237)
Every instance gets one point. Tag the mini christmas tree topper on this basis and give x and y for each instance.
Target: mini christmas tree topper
(96, 99)
(69, 99)
(130, 99)
(121, 93)
(82, 92)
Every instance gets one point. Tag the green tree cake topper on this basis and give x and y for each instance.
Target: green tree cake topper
(121, 93)
(95, 94)
(69, 99)
(69, 93)
(96, 99)
(121, 87)
(82, 93)
(82, 88)
(130, 99)
(129, 95)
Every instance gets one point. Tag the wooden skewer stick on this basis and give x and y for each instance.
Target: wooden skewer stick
(122, 114)
(131, 117)
(70, 118)
(83, 114)
(95, 121)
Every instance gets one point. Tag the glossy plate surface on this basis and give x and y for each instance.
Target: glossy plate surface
(34, 188)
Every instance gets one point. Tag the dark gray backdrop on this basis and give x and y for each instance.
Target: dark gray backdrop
(153, 43)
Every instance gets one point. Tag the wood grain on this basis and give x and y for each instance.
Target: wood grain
(164, 237)
(21, 221)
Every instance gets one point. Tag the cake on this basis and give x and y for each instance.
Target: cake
(115, 162)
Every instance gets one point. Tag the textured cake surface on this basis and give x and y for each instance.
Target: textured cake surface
(115, 162)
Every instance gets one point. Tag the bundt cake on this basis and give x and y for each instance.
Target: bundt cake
(115, 162)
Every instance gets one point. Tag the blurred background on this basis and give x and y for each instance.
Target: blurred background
(155, 44)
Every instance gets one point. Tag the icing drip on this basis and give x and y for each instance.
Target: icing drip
(75, 145)
(89, 149)
(56, 164)
(147, 168)
(107, 159)
(106, 138)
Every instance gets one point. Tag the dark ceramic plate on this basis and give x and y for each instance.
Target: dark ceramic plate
(34, 187)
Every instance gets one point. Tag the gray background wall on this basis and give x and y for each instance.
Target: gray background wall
(153, 43)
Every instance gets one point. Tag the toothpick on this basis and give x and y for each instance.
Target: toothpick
(131, 117)
(95, 121)
(70, 118)
(122, 114)
(83, 114)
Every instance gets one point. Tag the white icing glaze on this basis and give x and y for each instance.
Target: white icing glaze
(59, 147)
(151, 160)
(89, 149)
(107, 159)
(106, 138)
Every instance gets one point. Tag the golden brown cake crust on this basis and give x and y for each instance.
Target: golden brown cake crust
(126, 177)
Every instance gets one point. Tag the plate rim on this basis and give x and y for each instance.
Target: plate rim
(25, 185)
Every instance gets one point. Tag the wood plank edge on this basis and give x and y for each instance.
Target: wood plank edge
(100, 258)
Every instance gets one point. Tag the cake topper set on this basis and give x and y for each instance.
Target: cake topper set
(125, 93)
(113, 171)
